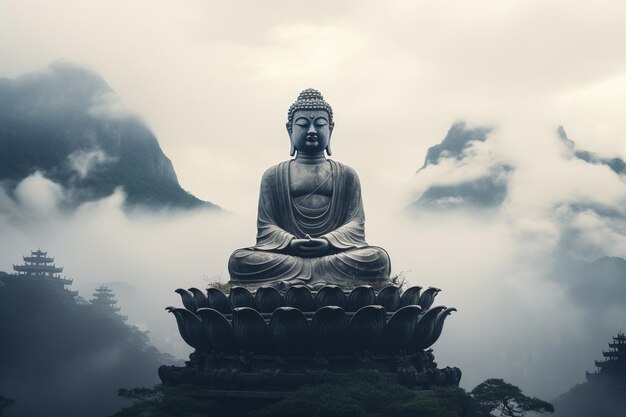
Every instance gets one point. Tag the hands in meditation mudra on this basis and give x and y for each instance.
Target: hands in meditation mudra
(310, 224)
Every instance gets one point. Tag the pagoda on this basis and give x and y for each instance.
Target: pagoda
(104, 299)
(40, 268)
(614, 364)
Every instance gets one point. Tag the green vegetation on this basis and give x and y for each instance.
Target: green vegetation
(217, 282)
(507, 399)
(399, 280)
(369, 399)
(604, 397)
(73, 355)
(158, 403)
(369, 396)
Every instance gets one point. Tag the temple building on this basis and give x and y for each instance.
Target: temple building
(104, 300)
(614, 363)
(39, 270)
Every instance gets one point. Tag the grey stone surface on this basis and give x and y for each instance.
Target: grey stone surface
(311, 223)
(264, 341)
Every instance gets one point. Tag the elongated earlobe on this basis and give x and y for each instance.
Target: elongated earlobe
(328, 151)
(292, 151)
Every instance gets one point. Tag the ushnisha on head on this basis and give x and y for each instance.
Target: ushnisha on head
(310, 123)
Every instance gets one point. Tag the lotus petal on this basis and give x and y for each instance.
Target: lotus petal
(428, 297)
(187, 298)
(401, 327)
(240, 297)
(389, 297)
(438, 328)
(329, 329)
(289, 330)
(330, 295)
(299, 297)
(367, 327)
(267, 299)
(190, 328)
(250, 330)
(361, 296)
(424, 329)
(217, 329)
(217, 300)
(199, 299)
(410, 297)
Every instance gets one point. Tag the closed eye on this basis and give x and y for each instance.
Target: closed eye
(302, 122)
(321, 121)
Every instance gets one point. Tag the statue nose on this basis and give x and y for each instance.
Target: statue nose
(311, 131)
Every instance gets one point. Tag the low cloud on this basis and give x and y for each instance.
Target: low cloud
(527, 312)
(153, 252)
(397, 74)
(108, 105)
(517, 316)
(38, 197)
(83, 162)
(615, 163)
(462, 172)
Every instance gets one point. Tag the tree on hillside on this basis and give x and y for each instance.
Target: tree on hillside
(507, 399)
(365, 395)
(350, 397)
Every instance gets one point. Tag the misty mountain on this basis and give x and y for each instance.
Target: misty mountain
(458, 149)
(67, 123)
(597, 290)
(60, 357)
(599, 285)
(485, 191)
(597, 398)
(458, 139)
(616, 164)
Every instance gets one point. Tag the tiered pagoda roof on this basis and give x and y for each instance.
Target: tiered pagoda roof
(105, 299)
(614, 364)
(39, 266)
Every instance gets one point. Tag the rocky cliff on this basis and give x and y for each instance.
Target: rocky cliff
(67, 123)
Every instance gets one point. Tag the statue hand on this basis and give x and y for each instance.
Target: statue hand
(309, 247)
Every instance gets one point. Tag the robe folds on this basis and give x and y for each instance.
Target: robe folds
(279, 221)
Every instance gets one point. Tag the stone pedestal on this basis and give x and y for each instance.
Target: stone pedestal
(270, 341)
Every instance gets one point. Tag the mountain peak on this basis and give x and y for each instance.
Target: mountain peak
(458, 138)
(615, 164)
(67, 123)
(483, 191)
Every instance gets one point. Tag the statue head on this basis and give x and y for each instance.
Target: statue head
(310, 123)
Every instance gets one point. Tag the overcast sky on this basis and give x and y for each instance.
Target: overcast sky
(214, 81)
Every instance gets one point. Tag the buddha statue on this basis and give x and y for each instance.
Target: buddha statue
(310, 224)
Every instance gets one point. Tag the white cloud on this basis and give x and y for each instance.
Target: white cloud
(84, 161)
(38, 197)
(214, 81)
(108, 105)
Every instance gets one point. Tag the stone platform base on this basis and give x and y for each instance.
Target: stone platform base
(278, 375)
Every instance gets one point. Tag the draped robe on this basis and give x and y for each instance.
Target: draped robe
(341, 222)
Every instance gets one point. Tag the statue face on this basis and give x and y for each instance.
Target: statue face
(310, 132)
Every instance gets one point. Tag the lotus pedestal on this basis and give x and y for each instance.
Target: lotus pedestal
(269, 342)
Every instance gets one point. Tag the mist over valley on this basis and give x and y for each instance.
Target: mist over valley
(490, 150)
